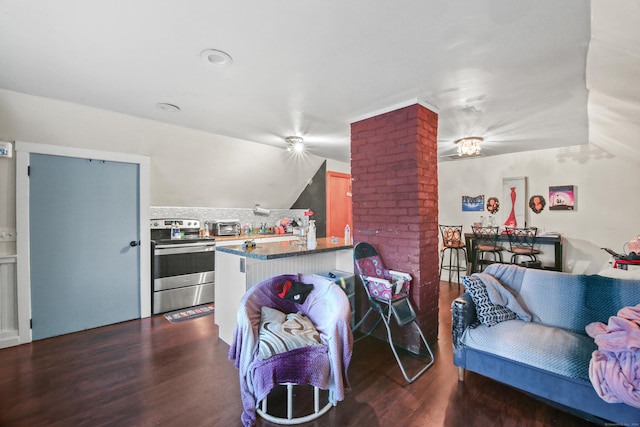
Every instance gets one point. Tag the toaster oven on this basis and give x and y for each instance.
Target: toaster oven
(227, 227)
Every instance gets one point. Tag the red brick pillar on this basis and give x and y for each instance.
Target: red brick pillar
(394, 168)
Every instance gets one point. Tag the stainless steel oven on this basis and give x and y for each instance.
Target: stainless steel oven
(183, 270)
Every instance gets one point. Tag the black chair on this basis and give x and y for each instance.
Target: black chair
(388, 293)
(485, 242)
(452, 242)
(522, 244)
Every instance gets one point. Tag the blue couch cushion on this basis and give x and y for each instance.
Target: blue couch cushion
(557, 350)
(605, 296)
(554, 298)
(565, 300)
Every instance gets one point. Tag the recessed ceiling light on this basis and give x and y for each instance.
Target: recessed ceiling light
(168, 107)
(216, 57)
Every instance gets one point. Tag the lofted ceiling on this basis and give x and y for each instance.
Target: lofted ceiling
(514, 72)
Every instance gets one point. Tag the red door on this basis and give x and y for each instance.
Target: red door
(338, 203)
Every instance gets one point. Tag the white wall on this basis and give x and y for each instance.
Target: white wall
(188, 167)
(193, 168)
(607, 197)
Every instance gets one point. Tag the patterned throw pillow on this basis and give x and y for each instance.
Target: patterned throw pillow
(490, 314)
(281, 332)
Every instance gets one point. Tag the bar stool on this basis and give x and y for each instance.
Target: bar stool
(452, 242)
(485, 242)
(522, 244)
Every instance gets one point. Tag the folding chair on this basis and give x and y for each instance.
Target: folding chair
(388, 293)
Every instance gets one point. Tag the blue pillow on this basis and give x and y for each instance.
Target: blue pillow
(489, 314)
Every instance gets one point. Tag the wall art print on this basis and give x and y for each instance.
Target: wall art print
(493, 205)
(514, 201)
(562, 198)
(472, 204)
(537, 203)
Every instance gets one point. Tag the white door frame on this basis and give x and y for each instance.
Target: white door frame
(23, 272)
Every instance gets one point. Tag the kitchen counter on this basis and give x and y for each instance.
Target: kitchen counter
(238, 269)
(244, 237)
(273, 250)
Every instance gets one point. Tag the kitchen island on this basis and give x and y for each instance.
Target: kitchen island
(238, 269)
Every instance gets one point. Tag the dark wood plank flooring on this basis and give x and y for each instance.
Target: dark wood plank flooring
(151, 372)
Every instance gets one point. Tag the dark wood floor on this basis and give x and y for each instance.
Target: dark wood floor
(152, 372)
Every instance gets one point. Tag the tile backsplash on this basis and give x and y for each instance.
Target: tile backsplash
(244, 215)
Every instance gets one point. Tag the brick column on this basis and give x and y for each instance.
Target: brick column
(394, 169)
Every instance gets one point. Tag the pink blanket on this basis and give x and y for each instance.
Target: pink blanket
(614, 370)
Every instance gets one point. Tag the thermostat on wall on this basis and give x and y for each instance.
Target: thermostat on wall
(6, 149)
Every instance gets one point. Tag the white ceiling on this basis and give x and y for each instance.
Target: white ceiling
(511, 71)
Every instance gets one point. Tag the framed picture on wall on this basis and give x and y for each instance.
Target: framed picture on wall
(472, 204)
(562, 198)
(537, 203)
(514, 201)
(493, 205)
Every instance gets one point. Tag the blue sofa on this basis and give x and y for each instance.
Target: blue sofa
(548, 356)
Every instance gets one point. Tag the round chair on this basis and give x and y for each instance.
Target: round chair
(269, 348)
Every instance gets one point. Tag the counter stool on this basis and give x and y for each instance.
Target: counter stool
(485, 242)
(522, 244)
(452, 242)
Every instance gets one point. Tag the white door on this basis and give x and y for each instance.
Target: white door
(84, 252)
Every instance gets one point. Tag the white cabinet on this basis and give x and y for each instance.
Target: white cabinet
(8, 302)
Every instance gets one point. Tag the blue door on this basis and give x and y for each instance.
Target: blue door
(83, 218)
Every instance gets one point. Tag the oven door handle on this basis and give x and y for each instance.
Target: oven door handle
(183, 249)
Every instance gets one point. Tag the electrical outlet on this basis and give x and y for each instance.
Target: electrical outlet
(7, 234)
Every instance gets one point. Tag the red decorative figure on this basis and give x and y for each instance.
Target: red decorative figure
(511, 221)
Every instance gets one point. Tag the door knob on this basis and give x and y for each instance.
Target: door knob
(134, 243)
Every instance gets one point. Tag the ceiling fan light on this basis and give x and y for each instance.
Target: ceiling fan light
(469, 146)
(295, 143)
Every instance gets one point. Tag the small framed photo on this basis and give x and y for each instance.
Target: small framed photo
(473, 204)
(537, 203)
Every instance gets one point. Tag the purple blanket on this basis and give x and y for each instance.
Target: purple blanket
(614, 370)
(323, 366)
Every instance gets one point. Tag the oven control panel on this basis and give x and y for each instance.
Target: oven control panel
(166, 223)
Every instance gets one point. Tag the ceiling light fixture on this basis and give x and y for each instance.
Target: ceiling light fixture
(295, 143)
(216, 57)
(469, 146)
(170, 108)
